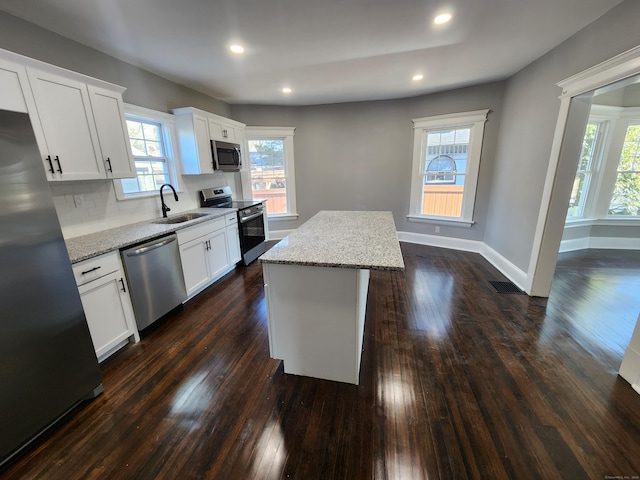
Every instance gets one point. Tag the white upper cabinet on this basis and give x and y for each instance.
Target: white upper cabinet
(12, 79)
(196, 128)
(222, 129)
(64, 109)
(194, 142)
(108, 112)
(78, 121)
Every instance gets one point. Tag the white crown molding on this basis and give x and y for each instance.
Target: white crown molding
(616, 68)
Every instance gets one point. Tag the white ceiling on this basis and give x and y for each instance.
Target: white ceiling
(327, 51)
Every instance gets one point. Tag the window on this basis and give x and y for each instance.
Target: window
(625, 200)
(607, 182)
(446, 161)
(272, 168)
(150, 138)
(441, 169)
(591, 150)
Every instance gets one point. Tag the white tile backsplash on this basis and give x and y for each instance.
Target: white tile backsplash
(101, 209)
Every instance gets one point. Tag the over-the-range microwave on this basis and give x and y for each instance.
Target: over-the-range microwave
(226, 156)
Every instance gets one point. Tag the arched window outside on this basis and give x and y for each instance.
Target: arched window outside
(441, 169)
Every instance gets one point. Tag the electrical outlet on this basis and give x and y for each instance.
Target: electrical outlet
(78, 200)
(437, 229)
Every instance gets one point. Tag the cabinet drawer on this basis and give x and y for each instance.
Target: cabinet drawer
(187, 234)
(97, 267)
(230, 219)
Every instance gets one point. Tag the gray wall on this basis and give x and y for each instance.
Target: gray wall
(528, 123)
(602, 231)
(358, 156)
(143, 88)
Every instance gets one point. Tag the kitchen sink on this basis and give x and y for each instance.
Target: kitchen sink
(182, 218)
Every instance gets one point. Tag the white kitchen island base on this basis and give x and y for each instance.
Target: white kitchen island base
(316, 319)
(316, 283)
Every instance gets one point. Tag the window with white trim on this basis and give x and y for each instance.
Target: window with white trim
(607, 182)
(590, 154)
(271, 166)
(151, 135)
(625, 199)
(446, 162)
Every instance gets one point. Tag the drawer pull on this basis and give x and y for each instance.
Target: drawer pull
(89, 271)
(124, 289)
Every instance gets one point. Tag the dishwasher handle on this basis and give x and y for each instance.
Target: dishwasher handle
(146, 248)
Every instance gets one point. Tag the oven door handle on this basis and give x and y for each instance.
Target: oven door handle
(251, 217)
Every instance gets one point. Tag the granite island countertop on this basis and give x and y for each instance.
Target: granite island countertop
(94, 244)
(343, 239)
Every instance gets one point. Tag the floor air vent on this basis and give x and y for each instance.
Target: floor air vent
(505, 287)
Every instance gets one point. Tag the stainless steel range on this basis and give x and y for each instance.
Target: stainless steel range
(250, 219)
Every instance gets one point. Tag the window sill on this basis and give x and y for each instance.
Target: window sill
(282, 216)
(441, 221)
(137, 196)
(606, 222)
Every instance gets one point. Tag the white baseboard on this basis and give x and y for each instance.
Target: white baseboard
(508, 269)
(608, 243)
(440, 241)
(574, 244)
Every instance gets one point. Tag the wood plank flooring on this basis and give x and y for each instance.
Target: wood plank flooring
(457, 382)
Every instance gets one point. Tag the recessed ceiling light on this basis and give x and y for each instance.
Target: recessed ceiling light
(237, 49)
(442, 18)
(417, 78)
(286, 90)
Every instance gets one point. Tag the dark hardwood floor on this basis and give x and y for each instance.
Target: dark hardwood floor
(457, 382)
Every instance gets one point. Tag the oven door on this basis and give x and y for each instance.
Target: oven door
(252, 238)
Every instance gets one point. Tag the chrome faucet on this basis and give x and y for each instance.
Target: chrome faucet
(166, 209)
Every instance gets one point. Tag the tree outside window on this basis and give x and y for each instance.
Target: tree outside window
(625, 200)
(270, 151)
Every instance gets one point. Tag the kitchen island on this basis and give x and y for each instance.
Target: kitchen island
(316, 284)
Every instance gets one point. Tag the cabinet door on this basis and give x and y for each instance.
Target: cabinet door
(193, 256)
(217, 254)
(220, 130)
(233, 242)
(66, 117)
(12, 79)
(108, 311)
(203, 143)
(108, 112)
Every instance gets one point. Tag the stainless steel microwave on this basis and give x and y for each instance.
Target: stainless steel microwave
(226, 156)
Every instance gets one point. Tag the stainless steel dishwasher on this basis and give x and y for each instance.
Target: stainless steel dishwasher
(156, 283)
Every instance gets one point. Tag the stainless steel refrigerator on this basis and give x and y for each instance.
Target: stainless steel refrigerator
(47, 361)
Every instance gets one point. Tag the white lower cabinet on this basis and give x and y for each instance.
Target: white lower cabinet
(233, 243)
(106, 303)
(207, 252)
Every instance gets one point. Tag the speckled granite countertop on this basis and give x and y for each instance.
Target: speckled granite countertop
(88, 246)
(365, 240)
